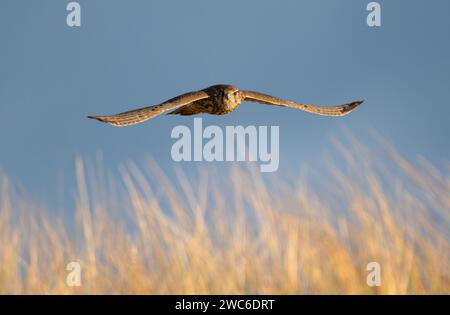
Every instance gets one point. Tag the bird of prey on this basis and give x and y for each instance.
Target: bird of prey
(216, 100)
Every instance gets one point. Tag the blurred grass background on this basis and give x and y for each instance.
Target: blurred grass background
(237, 233)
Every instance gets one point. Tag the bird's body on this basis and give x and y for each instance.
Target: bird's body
(223, 99)
(216, 100)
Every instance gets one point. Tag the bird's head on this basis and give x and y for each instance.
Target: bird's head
(233, 94)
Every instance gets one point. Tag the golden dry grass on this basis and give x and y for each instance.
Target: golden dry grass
(235, 233)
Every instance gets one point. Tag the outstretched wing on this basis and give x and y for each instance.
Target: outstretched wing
(142, 114)
(339, 110)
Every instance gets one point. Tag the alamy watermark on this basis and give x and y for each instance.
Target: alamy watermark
(374, 16)
(73, 278)
(232, 143)
(374, 276)
(74, 16)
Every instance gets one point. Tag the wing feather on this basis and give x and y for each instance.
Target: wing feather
(339, 110)
(142, 114)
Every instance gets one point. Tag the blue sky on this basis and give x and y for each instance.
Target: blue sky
(133, 53)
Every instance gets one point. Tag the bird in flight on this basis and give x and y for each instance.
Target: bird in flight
(216, 100)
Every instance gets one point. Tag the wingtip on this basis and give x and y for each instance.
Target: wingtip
(356, 104)
(106, 120)
(348, 108)
(95, 117)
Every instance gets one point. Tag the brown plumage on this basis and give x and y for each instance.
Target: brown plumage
(216, 100)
